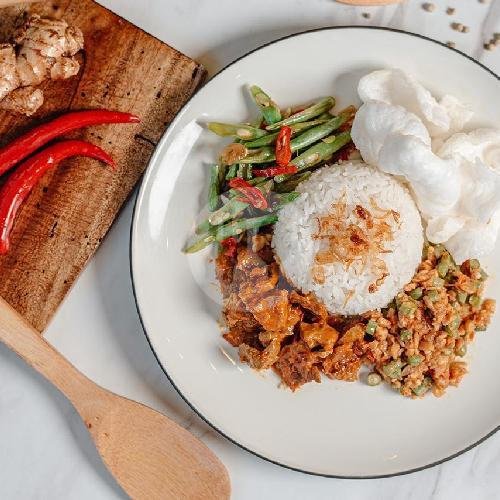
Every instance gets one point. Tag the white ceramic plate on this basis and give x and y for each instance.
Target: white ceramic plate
(333, 428)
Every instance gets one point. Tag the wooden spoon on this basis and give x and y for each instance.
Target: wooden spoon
(150, 456)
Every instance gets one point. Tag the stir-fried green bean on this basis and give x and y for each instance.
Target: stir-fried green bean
(238, 131)
(280, 200)
(262, 155)
(203, 227)
(297, 128)
(292, 182)
(231, 209)
(319, 132)
(371, 327)
(312, 129)
(231, 172)
(214, 187)
(270, 111)
(307, 114)
(201, 243)
(318, 153)
(392, 369)
(239, 226)
(315, 134)
(423, 387)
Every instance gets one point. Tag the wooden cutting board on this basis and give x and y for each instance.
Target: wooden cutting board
(68, 214)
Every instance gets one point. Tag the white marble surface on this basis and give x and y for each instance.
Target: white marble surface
(45, 452)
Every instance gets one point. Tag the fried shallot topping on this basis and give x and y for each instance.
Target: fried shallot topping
(359, 244)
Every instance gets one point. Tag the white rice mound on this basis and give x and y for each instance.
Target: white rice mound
(345, 291)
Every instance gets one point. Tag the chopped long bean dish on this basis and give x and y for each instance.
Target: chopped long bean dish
(335, 253)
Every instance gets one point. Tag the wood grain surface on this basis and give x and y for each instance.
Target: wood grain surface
(69, 213)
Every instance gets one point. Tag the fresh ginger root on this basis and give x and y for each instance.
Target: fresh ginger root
(42, 49)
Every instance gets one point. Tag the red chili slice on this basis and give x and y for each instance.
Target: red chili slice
(283, 148)
(252, 195)
(23, 180)
(272, 171)
(23, 146)
(230, 246)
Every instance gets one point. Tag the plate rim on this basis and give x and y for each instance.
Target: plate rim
(140, 188)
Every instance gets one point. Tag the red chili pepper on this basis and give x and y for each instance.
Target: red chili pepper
(272, 171)
(252, 195)
(283, 148)
(230, 246)
(23, 146)
(26, 176)
(345, 152)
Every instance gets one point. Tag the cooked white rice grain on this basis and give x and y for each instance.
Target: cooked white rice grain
(346, 288)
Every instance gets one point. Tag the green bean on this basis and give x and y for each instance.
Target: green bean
(371, 327)
(203, 227)
(297, 128)
(315, 134)
(201, 243)
(462, 297)
(474, 300)
(392, 369)
(311, 112)
(373, 379)
(230, 210)
(462, 350)
(452, 327)
(238, 226)
(241, 171)
(414, 360)
(239, 131)
(474, 264)
(280, 200)
(432, 295)
(319, 132)
(438, 282)
(439, 250)
(484, 275)
(423, 387)
(214, 188)
(270, 111)
(407, 308)
(417, 293)
(248, 172)
(261, 155)
(292, 182)
(318, 153)
(233, 207)
(405, 335)
(444, 265)
(231, 172)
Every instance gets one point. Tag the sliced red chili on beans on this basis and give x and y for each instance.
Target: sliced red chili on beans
(283, 147)
(272, 171)
(251, 194)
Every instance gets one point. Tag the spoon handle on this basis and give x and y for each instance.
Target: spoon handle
(17, 334)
